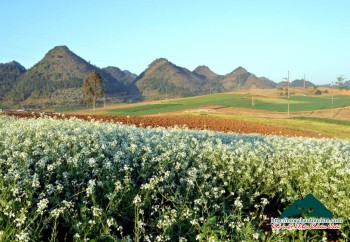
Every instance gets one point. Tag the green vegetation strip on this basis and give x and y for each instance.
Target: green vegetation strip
(313, 125)
(70, 108)
(69, 180)
(325, 120)
(147, 109)
(297, 103)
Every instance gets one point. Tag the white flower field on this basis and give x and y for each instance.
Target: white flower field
(73, 180)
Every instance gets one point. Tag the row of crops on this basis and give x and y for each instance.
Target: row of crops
(69, 180)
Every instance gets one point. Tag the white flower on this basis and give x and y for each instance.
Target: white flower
(22, 237)
(96, 211)
(67, 205)
(110, 222)
(118, 186)
(55, 213)
(238, 203)
(91, 187)
(42, 205)
(35, 183)
(20, 221)
(194, 222)
(264, 201)
(91, 162)
(137, 200)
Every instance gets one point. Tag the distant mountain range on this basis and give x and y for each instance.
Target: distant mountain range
(347, 83)
(58, 78)
(296, 83)
(61, 72)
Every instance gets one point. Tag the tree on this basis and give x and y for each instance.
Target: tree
(340, 82)
(93, 88)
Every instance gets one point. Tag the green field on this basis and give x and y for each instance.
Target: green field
(69, 108)
(297, 103)
(325, 120)
(304, 103)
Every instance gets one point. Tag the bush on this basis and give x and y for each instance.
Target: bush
(75, 180)
(318, 92)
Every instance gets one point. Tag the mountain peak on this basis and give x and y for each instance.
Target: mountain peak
(59, 51)
(114, 68)
(241, 78)
(59, 48)
(60, 69)
(16, 64)
(158, 62)
(9, 75)
(163, 79)
(239, 70)
(300, 83)
(205, 71)
(61, 59)
(125, 77)
(202, 68)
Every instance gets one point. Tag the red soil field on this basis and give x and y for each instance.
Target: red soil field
(197, 123)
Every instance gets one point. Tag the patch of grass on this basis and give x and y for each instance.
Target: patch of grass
(325, 120)
(147, 109)
(328, 129)
(302, 103)
(69, 108)
(318, 103)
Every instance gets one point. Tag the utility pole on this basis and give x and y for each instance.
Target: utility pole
(239, 82)
(288, 92)
(253, 100)
(332, 101)
(210, 87)
(304, 81)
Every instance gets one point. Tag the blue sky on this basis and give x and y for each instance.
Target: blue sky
(268, 37)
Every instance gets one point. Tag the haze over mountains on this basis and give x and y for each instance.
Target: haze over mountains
(58, 78)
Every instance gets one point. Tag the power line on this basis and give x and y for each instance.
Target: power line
(16, 56)
(17, 47)
(87, 46)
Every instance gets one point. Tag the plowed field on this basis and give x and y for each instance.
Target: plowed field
(198, 123)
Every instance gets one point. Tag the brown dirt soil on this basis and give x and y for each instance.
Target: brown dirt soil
(192, 122)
